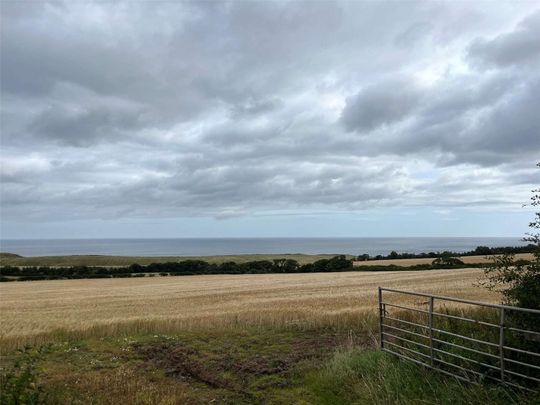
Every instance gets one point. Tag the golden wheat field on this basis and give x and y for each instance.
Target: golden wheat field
(34, 311)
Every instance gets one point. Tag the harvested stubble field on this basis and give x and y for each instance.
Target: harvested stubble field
(223, 339)
(33, 312)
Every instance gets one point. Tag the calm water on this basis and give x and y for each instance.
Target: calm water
(229, 246)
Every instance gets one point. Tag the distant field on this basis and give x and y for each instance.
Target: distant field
(8, 259)
(412, 262)
(33, 310)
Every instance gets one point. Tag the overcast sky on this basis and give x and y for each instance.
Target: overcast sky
(162, 119)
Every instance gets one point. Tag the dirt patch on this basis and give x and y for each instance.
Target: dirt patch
(259, 365)
(181, 361)
(255, 358)
(242, 366)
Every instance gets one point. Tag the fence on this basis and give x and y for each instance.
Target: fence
(441, 335)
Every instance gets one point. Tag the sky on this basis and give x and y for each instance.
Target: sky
(256, 119)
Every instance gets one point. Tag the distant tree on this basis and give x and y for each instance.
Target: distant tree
(286, 265)
(338, 263)
(482, 250)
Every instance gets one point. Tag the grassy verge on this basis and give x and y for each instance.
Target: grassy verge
(243, 366)
(233, 366)
(360, 377)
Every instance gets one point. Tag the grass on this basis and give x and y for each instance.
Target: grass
(360, 377)
(9, 259)
(233, 366)
(241, 366)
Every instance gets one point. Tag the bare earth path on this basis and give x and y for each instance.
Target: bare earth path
(32, 308)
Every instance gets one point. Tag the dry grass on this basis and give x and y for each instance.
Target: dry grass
(32, 312)
(412, 262)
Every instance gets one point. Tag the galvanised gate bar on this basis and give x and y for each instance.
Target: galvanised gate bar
(468, 340)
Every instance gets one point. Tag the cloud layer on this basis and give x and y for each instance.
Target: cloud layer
(128, 110)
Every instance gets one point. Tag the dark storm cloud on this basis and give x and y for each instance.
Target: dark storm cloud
(224, 109)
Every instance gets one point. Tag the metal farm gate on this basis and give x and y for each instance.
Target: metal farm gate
(469, 340)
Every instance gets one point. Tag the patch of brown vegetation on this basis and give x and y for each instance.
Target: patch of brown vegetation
(181, 362)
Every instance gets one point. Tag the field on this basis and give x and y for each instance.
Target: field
(234, 339)
(31, 310)
(8, 259)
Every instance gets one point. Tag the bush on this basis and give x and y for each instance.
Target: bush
(447, 261)
(19, 385)
(519, 281)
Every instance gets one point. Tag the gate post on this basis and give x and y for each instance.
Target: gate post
(430, 322)
(501, 342)
(381, 315)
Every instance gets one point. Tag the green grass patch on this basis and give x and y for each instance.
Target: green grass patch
(242, 366)
(239, 366)
(360, 377)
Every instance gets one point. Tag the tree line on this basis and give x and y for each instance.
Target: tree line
(443, 260)
(181, 268)
(478, 251)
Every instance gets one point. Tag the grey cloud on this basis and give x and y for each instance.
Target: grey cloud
(18, 10)
(223, 109)
(253, 107)
(416, 32)
(513, 127)
(382, 104)
(519, 46)
(487, 121)
(216, 191)
(500, 130)
(83, 127)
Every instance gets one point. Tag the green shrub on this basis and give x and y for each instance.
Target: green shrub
(18, 383)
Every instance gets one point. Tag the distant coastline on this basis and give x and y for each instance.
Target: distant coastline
(248, 246)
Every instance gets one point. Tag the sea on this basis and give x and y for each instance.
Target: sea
(237, 246)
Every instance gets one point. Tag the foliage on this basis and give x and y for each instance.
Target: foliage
(185, 267)
(192, 267)
(245, 366)
(478, 251)
(445, 261)
(19, 385)
(519, 282)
